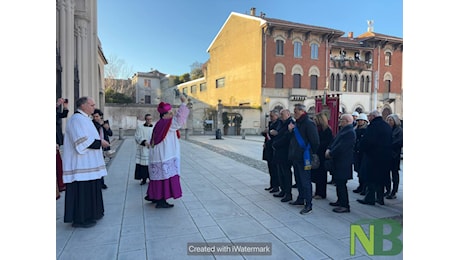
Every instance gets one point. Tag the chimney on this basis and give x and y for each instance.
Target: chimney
(350, 35)
(253, 11)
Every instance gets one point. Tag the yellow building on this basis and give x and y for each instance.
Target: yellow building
(233, 71)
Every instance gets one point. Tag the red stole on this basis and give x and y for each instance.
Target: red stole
(161, 130)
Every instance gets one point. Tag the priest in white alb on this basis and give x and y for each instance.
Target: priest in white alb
(83, 167)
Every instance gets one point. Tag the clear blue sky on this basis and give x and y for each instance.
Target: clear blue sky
(171, 35)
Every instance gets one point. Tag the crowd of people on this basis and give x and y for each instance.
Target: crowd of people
(366, 144)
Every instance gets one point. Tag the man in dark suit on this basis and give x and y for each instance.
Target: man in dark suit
(308, 133)
(341, 152)
(376, 148)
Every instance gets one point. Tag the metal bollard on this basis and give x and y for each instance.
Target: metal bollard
(218, 134)
(120, 133)
(243, 134)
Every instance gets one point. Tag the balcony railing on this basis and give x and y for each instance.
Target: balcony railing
(350, 63)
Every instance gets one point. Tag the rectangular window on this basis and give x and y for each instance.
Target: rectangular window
(314, 82)
(147, 83)
(193, 89)
(220, 83)
(297, 50)
(185, 90)
(296, 80)
(279, 80)
(314, 51)
(148, 100)
(202, 87)
(279, 47)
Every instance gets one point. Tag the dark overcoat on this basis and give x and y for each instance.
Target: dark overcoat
(341, 151)
(376, 148)
(267, 153)
(281, 142)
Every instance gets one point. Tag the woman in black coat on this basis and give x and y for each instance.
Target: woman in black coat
(396, 146)
(319, 175)
(360, 130)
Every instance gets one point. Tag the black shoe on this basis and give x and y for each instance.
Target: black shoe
(152, 200)
(279, 195)
(104, 186)
(334, 204)
(297, 202)
(391, 197)
(365, 202)
(341, 210)
(294, 186)
(381, 202)
(269, 188)
(306, 210)
(164, 204)
(275, 190)
(286, 199)
(86, 224)
(143, 182)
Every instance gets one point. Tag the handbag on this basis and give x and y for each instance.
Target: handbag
(311, 160)
(315, 162)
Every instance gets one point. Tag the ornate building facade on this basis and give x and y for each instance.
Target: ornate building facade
(257, 64)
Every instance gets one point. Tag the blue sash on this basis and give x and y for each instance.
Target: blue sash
(306, 152)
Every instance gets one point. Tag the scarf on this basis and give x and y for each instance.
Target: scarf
(306, 151)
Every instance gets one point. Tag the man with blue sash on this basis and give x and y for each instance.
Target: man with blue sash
(306, 130)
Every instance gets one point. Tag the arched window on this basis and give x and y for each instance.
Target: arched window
(297, 73)
(279, 70)
(337, 83)
(350, 83)
(313, 82)
(314, 74)
(279, 46)
(387, 78)
(297, 49)
(332, 82)
(387, 58)
(368, 81)
(355, 83)
(314, 51)
(361, 84)
(297, 78)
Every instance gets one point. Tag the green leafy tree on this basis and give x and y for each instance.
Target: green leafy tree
(184, 77)
(114, 97)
